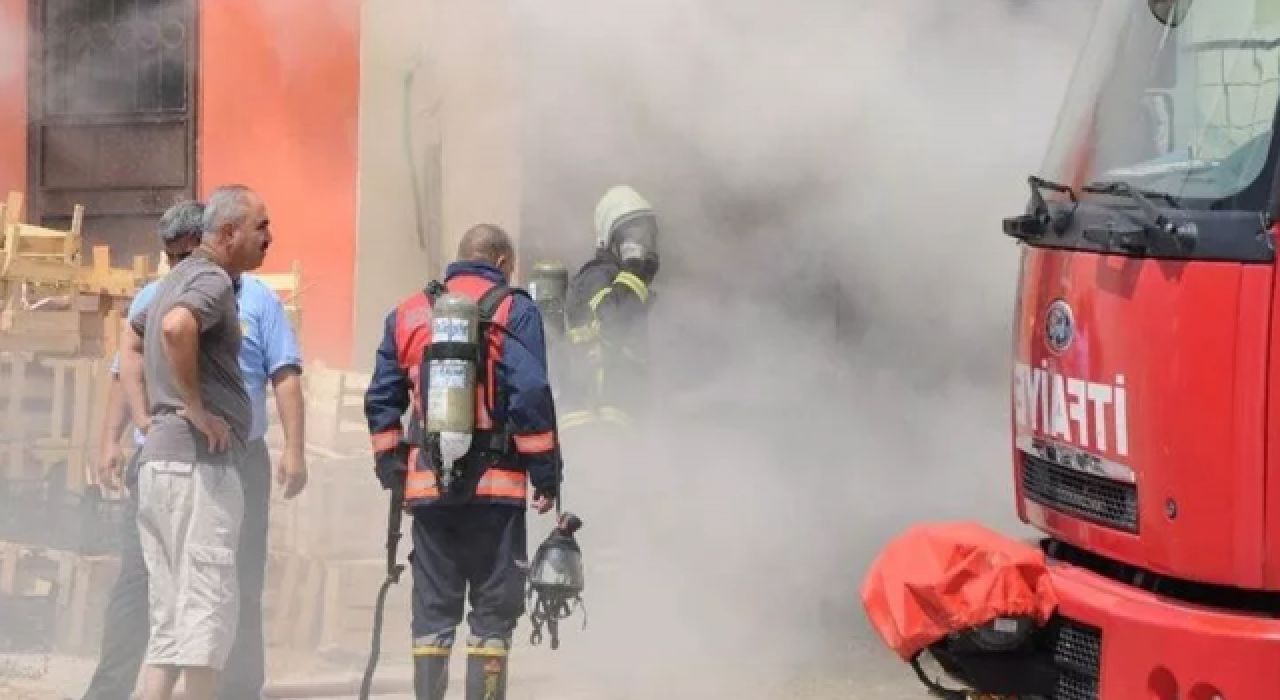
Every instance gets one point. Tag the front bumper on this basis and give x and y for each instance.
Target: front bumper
(1151, 647)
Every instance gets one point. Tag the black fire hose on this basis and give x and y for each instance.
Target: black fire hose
(936, 689)
(394, 569)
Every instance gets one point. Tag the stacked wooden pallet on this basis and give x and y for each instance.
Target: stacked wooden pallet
(50, 302)
(59, 325)
(58, 319)
(53, 599)
(328, 545)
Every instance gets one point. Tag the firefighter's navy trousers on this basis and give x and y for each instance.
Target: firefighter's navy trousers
(126, 626)
(459, 546)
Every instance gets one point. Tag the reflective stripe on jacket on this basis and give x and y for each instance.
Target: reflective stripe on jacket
(607, 368)
(516, 395)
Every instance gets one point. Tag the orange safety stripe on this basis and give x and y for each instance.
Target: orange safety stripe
(533, 444)
(418, 491)
(502, 483)
(412, 336)
(419, 483)
(412, 330)
(484, 419)
(495, 483)
(386, 440)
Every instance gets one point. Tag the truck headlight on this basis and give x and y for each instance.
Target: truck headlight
(1001, 633)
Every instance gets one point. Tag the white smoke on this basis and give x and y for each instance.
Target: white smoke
(834, 313)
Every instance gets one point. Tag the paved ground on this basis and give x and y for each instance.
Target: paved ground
(612, 659)
(540, 675)
(755, 599)
(639, 644)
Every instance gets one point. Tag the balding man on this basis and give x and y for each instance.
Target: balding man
(269, 355)
(468, 531)
(181, 369)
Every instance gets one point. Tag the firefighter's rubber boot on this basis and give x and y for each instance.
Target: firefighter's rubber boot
(431, 668)
(487, 669)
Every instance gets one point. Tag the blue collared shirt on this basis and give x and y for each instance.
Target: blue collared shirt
(269, 343)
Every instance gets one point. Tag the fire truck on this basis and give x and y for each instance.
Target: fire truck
(1145, 391)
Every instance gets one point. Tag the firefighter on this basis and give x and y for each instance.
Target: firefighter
(468, 532)
(606, 310)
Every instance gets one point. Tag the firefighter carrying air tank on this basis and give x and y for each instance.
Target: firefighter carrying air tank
(469, 357)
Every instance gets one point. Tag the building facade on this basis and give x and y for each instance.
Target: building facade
(377, 131)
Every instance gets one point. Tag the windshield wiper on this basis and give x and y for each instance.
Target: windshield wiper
(1156, 225)
(1140, 196)
(1028, 226)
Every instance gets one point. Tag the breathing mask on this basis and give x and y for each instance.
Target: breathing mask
(636, 238)
(556, 580)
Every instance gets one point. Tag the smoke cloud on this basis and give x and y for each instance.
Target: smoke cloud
(834, 313)
(833, 316)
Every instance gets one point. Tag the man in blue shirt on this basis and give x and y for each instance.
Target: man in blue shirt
(268, 352)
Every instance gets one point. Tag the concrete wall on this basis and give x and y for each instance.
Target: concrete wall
(460, 102)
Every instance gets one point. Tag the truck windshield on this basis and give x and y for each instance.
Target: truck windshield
(1183, 107)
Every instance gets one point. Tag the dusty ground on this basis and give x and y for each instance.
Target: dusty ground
(862, 669)
(870, 675)
(859, 669)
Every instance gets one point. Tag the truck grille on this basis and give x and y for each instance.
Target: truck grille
(1106, 502)
(1077, 652)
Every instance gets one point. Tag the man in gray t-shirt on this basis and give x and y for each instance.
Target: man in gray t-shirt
(199, 285)
(181, 373)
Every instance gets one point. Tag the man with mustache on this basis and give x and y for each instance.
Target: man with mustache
(235, 233)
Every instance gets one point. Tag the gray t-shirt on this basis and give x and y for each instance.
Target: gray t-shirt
(207, 291)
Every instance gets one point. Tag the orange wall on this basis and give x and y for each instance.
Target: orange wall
(279, 94)
(13, 85)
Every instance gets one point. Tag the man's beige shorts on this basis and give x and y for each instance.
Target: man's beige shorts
(189, 518)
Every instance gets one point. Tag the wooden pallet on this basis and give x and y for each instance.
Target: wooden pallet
(49, 259)
(72, 319)
(53, 409)
(329, 605)
(347, 608)
(81, 584)
(50, 302)
(22, 241)
(341, 514)
(336, 426)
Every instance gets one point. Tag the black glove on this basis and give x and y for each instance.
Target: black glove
(545, 491)
(392, 467)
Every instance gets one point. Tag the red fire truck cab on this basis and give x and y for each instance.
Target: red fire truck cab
(1145, 386)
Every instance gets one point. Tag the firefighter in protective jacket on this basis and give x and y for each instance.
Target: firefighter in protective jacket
(468, 534)
(606, 311)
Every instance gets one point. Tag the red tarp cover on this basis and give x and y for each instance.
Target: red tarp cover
(936, 579)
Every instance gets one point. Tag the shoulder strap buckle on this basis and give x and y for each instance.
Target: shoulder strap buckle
(433, 290)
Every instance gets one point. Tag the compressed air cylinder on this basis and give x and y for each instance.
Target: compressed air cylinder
(549, 285)
(451, 375)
